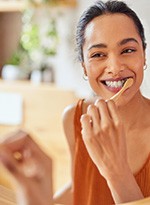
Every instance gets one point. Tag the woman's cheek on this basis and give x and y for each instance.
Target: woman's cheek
(94, 71)
(139, 71)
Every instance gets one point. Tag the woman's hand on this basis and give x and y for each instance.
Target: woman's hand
(30, 167)
(104, 137)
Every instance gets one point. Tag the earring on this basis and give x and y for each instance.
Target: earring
(85, 77)
(145, 66)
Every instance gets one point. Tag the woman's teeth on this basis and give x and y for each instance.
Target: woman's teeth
(115, 84)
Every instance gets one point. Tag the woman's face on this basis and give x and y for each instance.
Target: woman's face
(112, 53)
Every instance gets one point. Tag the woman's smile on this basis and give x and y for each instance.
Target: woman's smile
(114, 85)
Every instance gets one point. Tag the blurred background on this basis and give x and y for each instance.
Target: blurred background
(40, 74)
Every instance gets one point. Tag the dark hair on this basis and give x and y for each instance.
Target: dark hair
(101, 8)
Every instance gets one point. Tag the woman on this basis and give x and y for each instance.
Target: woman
(110, 143)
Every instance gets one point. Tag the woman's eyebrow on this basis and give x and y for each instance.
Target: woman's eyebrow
(99, 45)
(126, 40)
(122, 42)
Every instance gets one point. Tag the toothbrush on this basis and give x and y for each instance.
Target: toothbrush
(126, 85)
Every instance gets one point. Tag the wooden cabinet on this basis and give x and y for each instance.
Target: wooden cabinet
(11, 26)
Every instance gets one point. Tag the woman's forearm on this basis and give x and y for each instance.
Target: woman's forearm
(124, 188)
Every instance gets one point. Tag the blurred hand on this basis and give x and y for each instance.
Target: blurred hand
(30, 167)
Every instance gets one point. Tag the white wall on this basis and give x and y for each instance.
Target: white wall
(68, 71)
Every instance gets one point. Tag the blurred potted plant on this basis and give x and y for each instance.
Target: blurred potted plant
(36, 45)
(52, 2)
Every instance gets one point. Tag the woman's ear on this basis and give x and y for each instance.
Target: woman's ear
(144, 58)
(84, 69)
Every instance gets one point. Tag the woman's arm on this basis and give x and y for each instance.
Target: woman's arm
(105, 139)
(124, 188)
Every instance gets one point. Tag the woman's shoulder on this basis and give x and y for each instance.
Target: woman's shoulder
(69, 112)
(68, 126)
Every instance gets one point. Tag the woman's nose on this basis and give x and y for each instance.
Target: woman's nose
(114, 66)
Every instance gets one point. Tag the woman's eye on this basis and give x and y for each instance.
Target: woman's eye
(98, 55)
(128, 51)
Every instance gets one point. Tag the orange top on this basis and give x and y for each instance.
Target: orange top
(90, 188)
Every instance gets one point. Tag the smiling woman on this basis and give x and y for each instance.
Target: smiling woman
(99, 53)
(109, 140)
(111, 48)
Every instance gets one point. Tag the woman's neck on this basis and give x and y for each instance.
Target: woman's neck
(134, 114)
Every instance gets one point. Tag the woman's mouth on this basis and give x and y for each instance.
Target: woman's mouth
(114, 85)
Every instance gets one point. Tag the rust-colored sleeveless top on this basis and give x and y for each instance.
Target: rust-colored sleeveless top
(90, 188)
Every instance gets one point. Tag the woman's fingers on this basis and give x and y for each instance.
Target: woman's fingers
(23, 146)
(104, 111)
(93, 112)
(15, 140)
(30, 167)
(108, 112)
(100, 115)
(23, 168)
(8, 161)
(22, 155)
(86, 123)
(113, 112)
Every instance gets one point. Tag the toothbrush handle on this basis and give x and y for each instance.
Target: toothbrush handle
(117, 95)
(127, 84)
